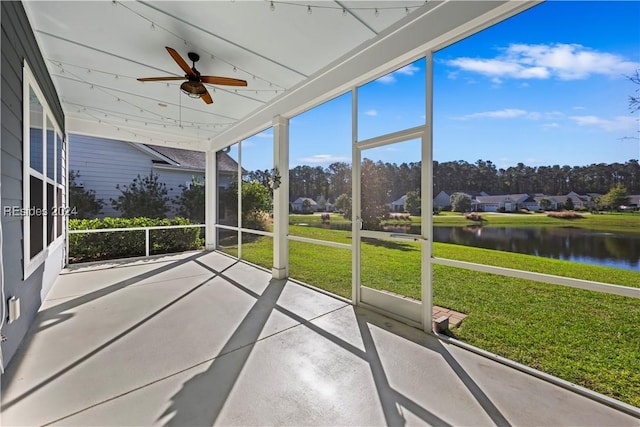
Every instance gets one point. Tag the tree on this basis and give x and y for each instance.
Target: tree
(460, 202)
(616, 197)
(374, 206)
(191, 201)
(306, 205)
(256, 203)
(568, 204)
(545, 204)
(82, 201)
(634, 100)
(413, 202)
(145, 197)
(343, 205)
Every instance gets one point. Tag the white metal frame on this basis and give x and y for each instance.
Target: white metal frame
(30, 264)
(145, 229)
(406, 310)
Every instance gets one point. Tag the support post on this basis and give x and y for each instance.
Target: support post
(281, 198)
(427, 203)
(146, 241)
(210, 201)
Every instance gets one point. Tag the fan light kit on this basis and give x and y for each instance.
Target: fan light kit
(194, 86)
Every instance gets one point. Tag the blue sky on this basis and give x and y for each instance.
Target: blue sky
(549, 86)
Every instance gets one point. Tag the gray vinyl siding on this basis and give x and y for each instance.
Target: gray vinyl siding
(18, 43)
(105, 163)
(174, 179)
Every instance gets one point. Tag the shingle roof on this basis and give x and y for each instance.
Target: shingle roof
(195, 159)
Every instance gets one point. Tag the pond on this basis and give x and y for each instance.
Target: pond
(620, 250)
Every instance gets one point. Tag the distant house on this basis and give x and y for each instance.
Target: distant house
(634, 202)
(398, 205)
(579, 201)
(508, 202)
(104, 163)
(299, 205)
(443, 198)
(553, 203)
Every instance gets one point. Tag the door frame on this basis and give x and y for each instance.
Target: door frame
(408, 311)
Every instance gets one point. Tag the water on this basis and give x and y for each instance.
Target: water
(620, 250)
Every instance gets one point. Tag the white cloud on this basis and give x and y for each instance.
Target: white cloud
(324, 158)
(371, 113)
(560, 60)
(407, 70)
(508, 113)
(617, 124)
(388, 79)
(512, 113)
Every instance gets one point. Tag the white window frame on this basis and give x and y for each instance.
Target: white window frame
(31, 264)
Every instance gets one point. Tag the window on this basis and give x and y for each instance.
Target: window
(44, 177)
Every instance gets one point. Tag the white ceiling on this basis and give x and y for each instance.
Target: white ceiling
(95, 51)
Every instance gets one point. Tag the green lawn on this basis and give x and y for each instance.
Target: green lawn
(585, 337)
(612, 222)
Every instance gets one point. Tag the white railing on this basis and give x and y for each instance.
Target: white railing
(145, 229)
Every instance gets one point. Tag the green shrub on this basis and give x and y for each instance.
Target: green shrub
(120, 244)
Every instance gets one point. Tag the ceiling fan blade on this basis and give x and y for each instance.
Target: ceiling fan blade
(159, 79)
(227, 81)
(181, 62)
(206, 97)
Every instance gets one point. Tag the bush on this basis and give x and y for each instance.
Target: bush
(83, 202)
(144, 197)
(565, 215)
(325, 217)
(190, 203)
(473, 216)
(122, 244)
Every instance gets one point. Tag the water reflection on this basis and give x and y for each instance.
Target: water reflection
(621, 250)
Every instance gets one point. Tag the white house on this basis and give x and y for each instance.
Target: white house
(398, 205)
(508, 202)
(104, 163)
(298, 205)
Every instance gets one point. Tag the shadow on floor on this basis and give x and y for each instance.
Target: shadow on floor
(188, 407)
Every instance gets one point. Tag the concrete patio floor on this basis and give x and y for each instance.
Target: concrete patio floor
(198, 339)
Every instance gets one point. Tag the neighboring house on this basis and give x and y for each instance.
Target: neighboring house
(443, 198)
(579, 201)
(553, 203)
(324, 204)
(298, 205)
(634, 202)
(398, 205)
(104, 163)
(508, 202)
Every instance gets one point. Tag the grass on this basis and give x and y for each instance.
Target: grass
(611, 222)
(588, 338)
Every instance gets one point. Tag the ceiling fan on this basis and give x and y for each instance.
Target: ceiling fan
(194, 86)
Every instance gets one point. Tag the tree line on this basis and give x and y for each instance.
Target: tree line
(483, 175)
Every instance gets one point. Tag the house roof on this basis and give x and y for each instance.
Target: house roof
(401, 201)
(515, 198)
(301, 200)
(185, 158)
